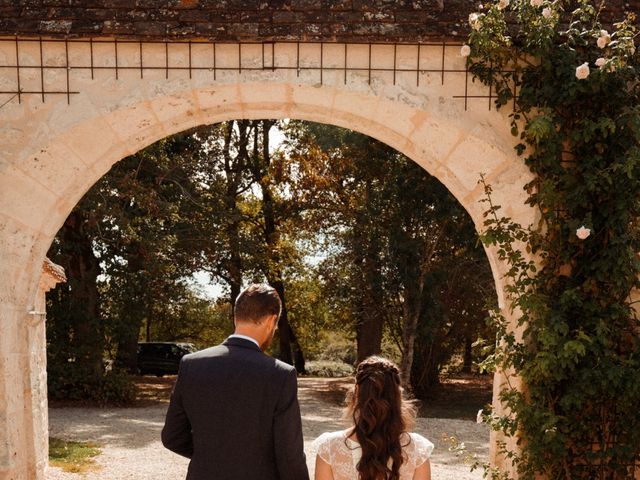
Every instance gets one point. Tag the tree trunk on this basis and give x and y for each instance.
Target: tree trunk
(425, 372)
(83, 268)
(411, 314)
(468, 358)
(290, 350)
(369, 327)
(418, 265)
(233, 172)
(134, 309)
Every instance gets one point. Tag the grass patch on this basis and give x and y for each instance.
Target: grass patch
(74, 457)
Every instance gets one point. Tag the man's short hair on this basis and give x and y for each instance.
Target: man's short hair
(257, 302)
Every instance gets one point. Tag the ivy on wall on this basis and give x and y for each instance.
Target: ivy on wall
(573, 84)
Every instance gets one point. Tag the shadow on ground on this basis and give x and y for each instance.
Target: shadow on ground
(130, 437)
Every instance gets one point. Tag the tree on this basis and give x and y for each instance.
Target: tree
(389, 230)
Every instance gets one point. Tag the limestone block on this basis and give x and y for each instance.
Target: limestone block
(476, 155)
(432, 140)
(217, 98)
(174, 111)
(137, 125)
(25, 199)
(264, 97)
(358, 112)
(89, 146)
(55, 166)
(308, 100)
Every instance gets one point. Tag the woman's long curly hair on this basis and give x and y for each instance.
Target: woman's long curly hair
(380, 415)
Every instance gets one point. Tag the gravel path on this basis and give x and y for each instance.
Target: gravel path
(131, 448)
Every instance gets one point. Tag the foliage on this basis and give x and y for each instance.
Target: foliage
(73, 457)
(577, 120)
(396, 248)
(329, 369)
(348, 227)
(71, 383)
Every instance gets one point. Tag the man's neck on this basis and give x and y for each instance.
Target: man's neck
(246, 336)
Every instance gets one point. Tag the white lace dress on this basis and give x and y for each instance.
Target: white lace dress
(343, 454)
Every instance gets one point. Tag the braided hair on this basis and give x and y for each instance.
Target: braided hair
(380, 415)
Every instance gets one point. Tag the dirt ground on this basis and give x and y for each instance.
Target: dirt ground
(130, 437)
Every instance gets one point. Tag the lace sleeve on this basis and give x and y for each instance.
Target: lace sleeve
(322, 445)
(423, 449)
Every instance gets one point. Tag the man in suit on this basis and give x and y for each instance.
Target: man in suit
(234, 410)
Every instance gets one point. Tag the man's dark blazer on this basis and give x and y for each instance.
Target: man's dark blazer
(234, 412)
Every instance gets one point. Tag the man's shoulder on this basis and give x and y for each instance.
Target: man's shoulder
(202, 354)
(285, 368)
(223, 350)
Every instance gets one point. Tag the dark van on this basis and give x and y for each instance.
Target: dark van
(161, 358)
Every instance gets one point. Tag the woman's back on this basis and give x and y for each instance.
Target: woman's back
(343, 454)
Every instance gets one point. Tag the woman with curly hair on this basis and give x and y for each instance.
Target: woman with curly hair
(379, 445)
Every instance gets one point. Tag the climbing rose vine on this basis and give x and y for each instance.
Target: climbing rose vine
(570, 77)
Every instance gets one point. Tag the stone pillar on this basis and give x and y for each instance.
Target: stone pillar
(52, 274)
(24, 422)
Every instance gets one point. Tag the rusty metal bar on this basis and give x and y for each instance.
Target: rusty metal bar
(490, 85)
(369, 65)
(141, 62)
(41, 70)
(136, 41)
(18, 69)
(418, 68)
(321, 62)
(37, 92)
(116, 50)
(190, 69)
(395, 56)
(66, 53)
(156, 67)
(444, 46)
(344, 67)
(345, 63)
(91, 53)
(466, 88)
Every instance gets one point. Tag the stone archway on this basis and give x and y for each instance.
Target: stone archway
(53, 151)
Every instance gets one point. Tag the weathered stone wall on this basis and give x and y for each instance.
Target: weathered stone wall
(54, 148)
(242, 20)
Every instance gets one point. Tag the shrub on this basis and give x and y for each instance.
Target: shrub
(70, 383)
(328, 368)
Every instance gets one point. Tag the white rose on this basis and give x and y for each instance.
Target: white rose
(604, 39)
(479, 418)
(546, 12)
(583, 232)
(536, 3)
(474, 21)
(502, 4)
(465, 51)
(600, 62)
(582, 71)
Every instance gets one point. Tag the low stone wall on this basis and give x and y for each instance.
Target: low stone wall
(241, 20)
(235, 20)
